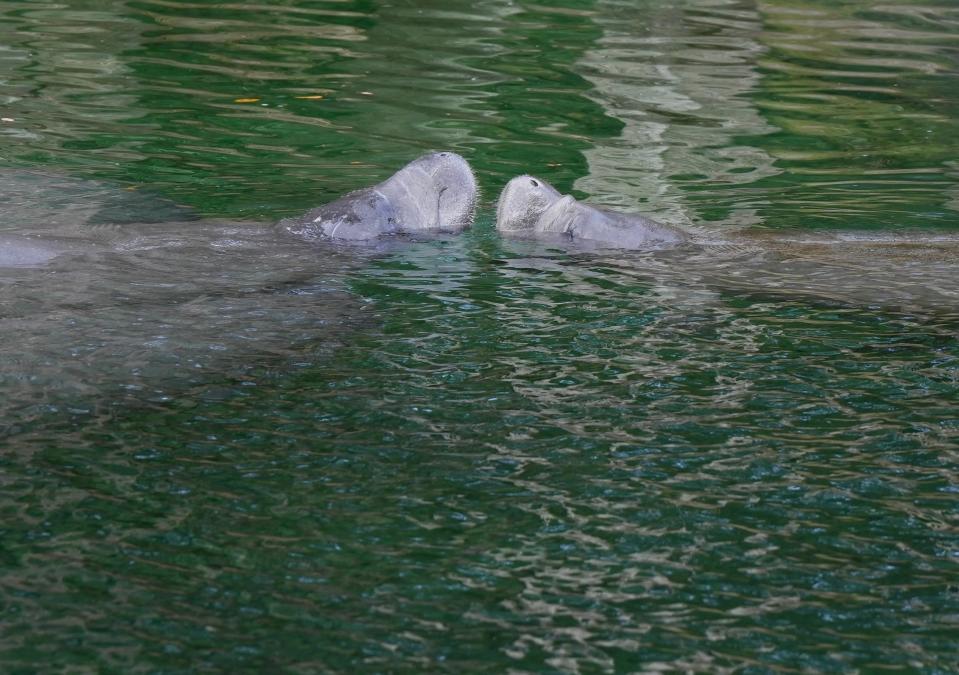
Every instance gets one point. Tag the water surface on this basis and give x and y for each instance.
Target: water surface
(225, 450)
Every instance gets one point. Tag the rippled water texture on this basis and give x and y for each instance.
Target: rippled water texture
(226, 450)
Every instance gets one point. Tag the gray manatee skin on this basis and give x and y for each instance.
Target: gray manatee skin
(45, 215)
(25, 252)
(530, 207)
(434, 193)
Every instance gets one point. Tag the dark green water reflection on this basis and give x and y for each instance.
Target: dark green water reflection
(470, 454)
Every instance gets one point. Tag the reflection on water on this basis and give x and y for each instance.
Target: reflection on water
(684, 102)
(225, 451)
(862, 99)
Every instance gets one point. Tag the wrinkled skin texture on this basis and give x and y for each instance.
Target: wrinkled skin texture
(530, 207)
(435, 193)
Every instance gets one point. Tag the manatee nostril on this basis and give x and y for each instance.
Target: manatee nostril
(444, 154)
(535, 183)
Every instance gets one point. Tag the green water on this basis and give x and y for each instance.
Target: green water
(469, 454)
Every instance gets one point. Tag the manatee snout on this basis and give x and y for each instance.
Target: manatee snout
(453, 183)
(521, 203)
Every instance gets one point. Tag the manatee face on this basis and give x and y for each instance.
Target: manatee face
(434, 192)
(522, 202)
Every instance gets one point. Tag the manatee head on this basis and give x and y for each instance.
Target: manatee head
(522, 202)
(434, 192)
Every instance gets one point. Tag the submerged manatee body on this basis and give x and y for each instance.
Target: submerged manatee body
(112, 298)
(531, 207)
(45, 215)
(434, 193)
(99, 309)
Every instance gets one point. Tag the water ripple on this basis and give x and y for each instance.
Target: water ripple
(223, 451)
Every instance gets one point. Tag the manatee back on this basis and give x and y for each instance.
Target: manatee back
(583, 222)
(49, 203)
(620, 230)
(628, 230)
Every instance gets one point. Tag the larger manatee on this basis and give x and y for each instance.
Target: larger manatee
(98, 309)
(434, 193)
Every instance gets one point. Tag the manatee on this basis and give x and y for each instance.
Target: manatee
(531, 207)
(434, 193)
(98, 313)
(900, 271)
(55, 215)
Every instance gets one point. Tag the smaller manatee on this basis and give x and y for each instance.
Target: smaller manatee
(435, 193)
(531, 207)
